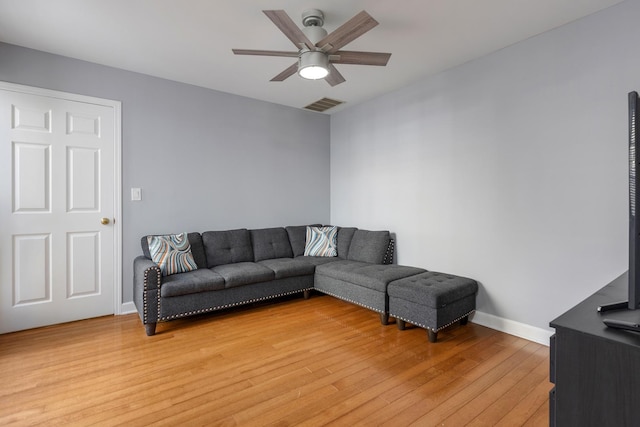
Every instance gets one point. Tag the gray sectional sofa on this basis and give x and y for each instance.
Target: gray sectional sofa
(243, 266)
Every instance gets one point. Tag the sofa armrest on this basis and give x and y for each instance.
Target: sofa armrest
(147, 279)
(146, 273)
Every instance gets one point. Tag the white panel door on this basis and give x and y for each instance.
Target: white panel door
(57, 209)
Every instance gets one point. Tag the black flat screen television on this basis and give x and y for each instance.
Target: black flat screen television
(634, 203)
(633, 302)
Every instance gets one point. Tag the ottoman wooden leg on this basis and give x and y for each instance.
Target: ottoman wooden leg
(384, 318)
(401, 324)
(433, 335)
(464, 320)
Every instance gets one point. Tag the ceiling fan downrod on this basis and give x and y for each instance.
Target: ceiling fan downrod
(313, 20)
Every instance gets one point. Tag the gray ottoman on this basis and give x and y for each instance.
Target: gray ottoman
(432, 301)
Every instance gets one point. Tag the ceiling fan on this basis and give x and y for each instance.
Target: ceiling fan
(317, 50)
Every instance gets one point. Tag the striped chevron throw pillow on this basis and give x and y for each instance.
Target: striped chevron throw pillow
(321, 241)
(172, 253)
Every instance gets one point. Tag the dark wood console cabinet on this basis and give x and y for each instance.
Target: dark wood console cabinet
(595, 369)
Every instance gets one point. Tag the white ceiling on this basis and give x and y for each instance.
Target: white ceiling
(190, 41)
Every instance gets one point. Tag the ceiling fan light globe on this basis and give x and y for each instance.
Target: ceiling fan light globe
(313, 65)
(313, 73)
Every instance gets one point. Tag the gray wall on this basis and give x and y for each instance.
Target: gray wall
(511, 169)
(205, 160)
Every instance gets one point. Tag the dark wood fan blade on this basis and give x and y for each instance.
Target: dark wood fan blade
(288, 27)
(286, 73)
(349, 31)
(361, 58)
(334, 78)
(264, 52)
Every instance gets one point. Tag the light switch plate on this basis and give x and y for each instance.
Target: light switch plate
(136, 194)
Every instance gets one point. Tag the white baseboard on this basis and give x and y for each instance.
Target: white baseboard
(127, 308)
(522, 330)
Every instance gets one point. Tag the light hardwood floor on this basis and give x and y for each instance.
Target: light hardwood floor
(295, 362)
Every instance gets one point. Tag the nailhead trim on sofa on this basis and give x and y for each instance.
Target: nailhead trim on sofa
(145, 308)
(201, 311)
(388, 256)
(219, 307)
(352, 301)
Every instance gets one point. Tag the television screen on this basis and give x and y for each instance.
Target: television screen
(633, 275)
(634, 227)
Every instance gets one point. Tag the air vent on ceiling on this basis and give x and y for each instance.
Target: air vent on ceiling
(323, 104)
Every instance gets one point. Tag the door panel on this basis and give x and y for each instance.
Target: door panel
(31, 269)
(31, 192)
(82, 259)
(83, 179)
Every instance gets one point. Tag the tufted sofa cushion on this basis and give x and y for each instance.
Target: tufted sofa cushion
(270, 243)
(227, 247)
(433, 289)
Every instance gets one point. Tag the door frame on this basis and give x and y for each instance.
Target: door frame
(117, 167)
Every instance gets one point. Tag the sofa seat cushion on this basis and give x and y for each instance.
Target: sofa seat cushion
(317, 260)
(372, 276)
(191, 282)
(433, 289)
(243, 273)
(289, 267)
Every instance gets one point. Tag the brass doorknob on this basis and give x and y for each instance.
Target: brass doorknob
(104, 221)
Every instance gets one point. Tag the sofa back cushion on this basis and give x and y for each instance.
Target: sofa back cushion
(369, 246)
(345, 235)
(227, 247)
(197, 249)
(270, 243)
(297, 237)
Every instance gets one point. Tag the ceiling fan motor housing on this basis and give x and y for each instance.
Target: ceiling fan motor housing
(312, 18)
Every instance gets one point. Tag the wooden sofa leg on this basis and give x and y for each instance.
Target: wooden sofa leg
(464, 320)
(150, 328)
(307, 293)
(433, 335)
(384, 318)
(401, 324)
